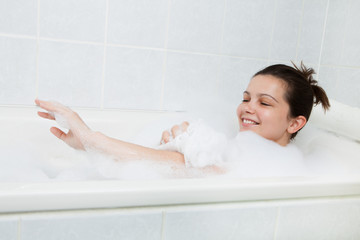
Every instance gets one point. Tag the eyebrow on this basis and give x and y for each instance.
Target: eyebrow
(263, 94)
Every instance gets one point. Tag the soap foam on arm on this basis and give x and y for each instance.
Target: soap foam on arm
(60, 120)
(201, 145)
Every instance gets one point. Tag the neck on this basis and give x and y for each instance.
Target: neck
(283, 141)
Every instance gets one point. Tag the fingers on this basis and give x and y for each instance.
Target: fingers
(165, 138)
(45, 105)
(68, 138)
(178, 129)
(184, 126)
(174, 132)
(58, 133)
(51, 106)
(46, 115)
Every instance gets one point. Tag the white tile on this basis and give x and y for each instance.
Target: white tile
(191, 81)
(319, 221)
(70, 73)
(196, 25)
(287, 62)
(312, 28)
(335, 32)
(73, 19)
(92, 226)
(351, 52)
(348, 86)
(328, 80)
(18, 17)
(235, 75)
(141, 23)
(8, 228)
(248, 27)
(341, 84)
(133, 78)
(237, 223)
(286, 29)
(17, 70)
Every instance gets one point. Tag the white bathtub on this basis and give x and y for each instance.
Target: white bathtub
(26, 205)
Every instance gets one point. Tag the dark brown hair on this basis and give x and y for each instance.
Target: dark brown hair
(302, 90)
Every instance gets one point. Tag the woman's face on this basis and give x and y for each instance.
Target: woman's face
(264, 109)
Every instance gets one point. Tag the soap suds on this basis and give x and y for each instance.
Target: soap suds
(39, 157)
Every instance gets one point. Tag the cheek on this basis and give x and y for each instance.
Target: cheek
(271, 116)
(272, 119)
(278, 119)
(238, 111)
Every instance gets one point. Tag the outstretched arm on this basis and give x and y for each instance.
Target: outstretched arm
(80, 136)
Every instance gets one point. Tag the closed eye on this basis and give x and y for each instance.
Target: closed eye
(265, 104)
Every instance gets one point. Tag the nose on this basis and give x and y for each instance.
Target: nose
(249, 107)
(245, 107)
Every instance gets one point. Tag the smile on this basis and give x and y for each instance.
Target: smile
(249, 122)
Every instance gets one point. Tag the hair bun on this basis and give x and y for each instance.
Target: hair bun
(319, 93)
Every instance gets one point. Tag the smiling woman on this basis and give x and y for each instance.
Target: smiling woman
(278, 102)
(270, 108)
(265, 111)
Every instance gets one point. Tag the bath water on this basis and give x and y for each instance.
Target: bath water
(314, 153)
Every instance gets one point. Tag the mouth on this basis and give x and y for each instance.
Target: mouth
(248, 122)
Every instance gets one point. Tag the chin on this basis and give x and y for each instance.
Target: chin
(246, 129)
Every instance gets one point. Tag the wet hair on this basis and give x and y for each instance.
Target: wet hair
(302, 91)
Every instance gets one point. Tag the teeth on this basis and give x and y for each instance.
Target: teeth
(248, 121)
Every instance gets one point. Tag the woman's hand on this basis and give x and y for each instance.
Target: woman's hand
(78, 130)
(175, 131)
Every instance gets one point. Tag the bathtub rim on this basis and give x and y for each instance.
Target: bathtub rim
(54, 196)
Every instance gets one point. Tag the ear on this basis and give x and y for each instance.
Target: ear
(296, 124)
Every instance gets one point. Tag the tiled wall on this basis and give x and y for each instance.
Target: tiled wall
(170, 54)
(295, 219)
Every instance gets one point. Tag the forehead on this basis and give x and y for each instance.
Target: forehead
(266, 84)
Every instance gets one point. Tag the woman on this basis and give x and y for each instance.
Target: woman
(276, 105)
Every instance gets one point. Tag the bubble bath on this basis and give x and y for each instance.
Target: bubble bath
(31, 155)
(315, 152)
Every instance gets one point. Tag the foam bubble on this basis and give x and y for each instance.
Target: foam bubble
(60, 120)
(247, 155)
(315, 152)
(250, 155)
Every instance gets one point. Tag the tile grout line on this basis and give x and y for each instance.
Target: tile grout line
(323, 38)
(163, 219)
(345, 31)
(272, 30)
(276, 223)
(162, 91)
(19, 229)
(132, 46)
(223, 28)
(63, 40)
(219, 81)
(102, 93)
(37, 81)
(299, 30)
(157, 49)
(342, 46)
(2, 34)
(341, 66)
